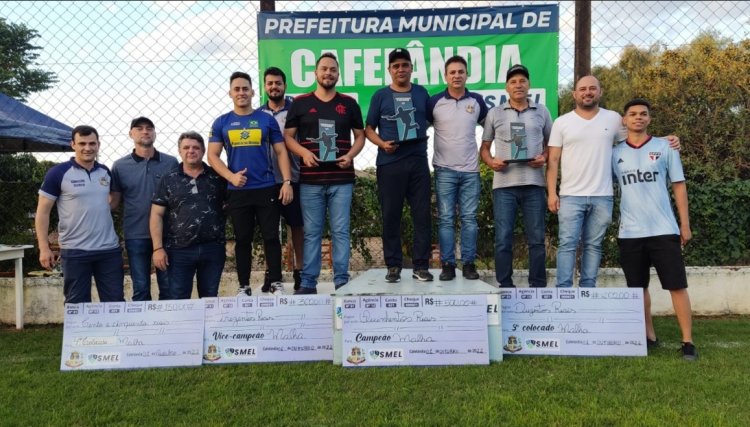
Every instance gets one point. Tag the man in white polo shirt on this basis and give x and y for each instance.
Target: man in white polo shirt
(88, 243)
(455, 113)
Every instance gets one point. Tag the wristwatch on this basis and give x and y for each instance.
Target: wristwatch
(287, 181)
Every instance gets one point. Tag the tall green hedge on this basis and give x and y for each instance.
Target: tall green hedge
(719, 215)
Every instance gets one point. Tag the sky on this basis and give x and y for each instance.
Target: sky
(171, 60)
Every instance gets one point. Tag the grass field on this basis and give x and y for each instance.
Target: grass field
(659, 390)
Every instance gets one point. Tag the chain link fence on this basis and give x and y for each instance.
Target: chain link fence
(170, 61)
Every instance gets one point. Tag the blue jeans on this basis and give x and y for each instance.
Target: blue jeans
(583, 219)
(533, 203)
(462, 188)
(106, 266)
(203, 260)
(139, 260)
(316, 200)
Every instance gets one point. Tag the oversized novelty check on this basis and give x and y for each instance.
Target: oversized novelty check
(127, 335)
(414, 330)
(573, 321)
(274, 328)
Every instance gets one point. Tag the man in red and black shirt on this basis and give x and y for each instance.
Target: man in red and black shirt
(319, 129)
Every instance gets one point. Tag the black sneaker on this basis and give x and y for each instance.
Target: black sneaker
(470, 271)
(689, 352)
(266, 283)
(244, 292)
(510, 285)
(394, 275)
(449, 271)
(422, 275)
(305, 291)
(652, 343)
(297, 274)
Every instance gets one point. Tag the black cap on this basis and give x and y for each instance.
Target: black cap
(398, 54)
(516, 69)
(141, 120)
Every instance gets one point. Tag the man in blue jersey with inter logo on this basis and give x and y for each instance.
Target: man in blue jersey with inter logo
(643, 166)
(397, 124)
(248, 136)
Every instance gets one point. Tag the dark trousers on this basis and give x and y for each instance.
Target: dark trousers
(246, 209)
(106, 268)
(205, 261)
(406, 179)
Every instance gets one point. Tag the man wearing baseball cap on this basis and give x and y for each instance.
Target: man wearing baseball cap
(520, 129)
(135, 178)
(397, 124)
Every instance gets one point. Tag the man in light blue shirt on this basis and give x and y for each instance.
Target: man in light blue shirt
(642, 167)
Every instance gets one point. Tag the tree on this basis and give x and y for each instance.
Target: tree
(17, 56)
(699, 91)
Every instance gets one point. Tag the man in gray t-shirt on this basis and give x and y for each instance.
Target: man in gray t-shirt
(520, 129)
(135, 178)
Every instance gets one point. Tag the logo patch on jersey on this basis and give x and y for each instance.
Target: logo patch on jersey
(404, 117)
(470, 109)
(654, 155)
(620, 161)
(104, 181)
(341, 109)
(313, 110)
(245, 137)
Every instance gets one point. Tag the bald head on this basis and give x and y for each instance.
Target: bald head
(587, 93)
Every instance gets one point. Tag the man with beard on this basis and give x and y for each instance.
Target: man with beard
(135, 177)
(249, 136)
(397, 124)
(580, 146)
(278, 105)
(319, 129)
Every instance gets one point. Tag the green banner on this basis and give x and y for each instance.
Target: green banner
(491, 40)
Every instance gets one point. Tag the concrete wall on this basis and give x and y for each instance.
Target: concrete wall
(713, 291)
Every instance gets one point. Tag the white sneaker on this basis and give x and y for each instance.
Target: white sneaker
(277, 288)
(244, 292)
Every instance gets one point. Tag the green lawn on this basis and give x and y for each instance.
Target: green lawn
(657, 390)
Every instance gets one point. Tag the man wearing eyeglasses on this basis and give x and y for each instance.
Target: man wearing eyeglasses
(191, 197)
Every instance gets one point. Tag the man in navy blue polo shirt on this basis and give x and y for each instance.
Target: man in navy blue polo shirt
(135, 177)
(397, 124)
(88, 243)
(455, 113)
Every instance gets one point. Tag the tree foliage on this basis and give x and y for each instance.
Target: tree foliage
(700, 91)
(17, 57)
